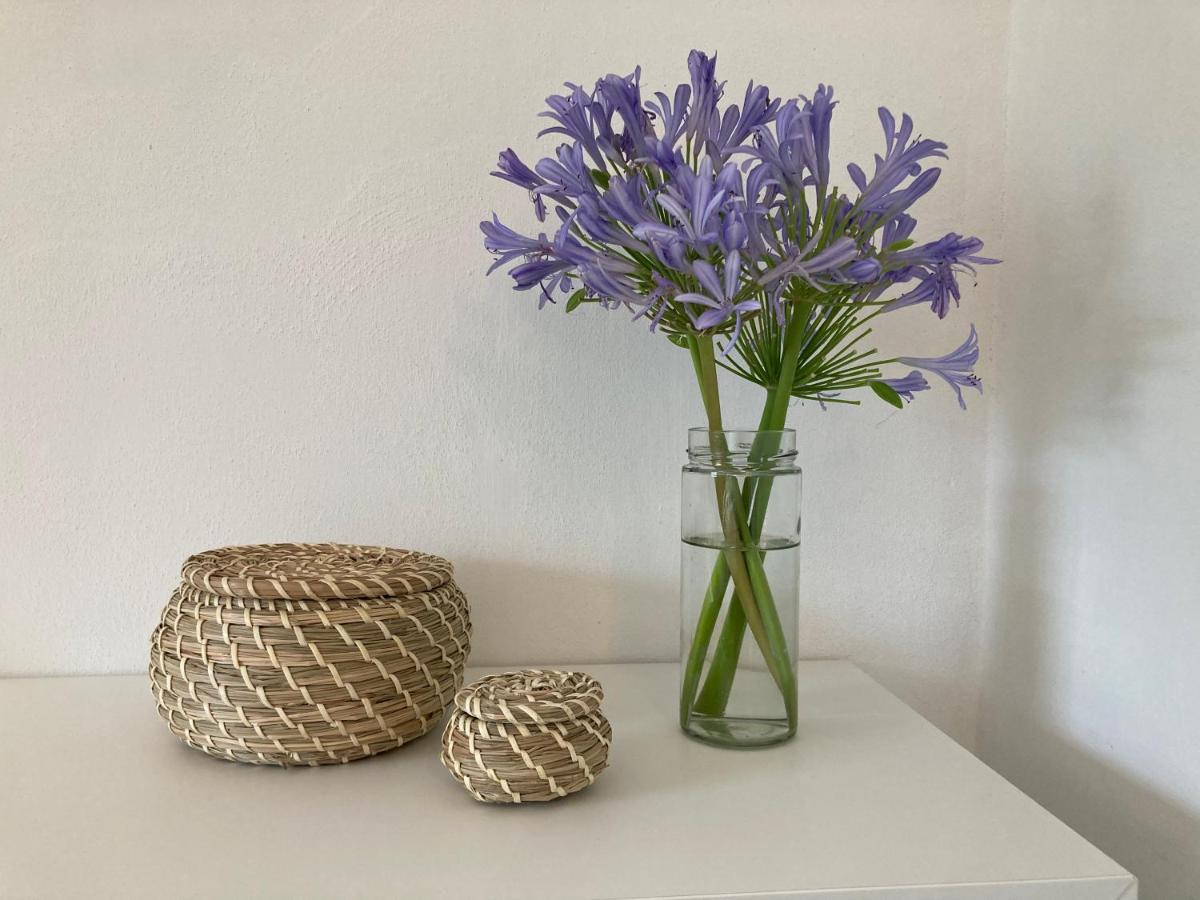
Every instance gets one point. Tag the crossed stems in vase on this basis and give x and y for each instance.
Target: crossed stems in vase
(742, 511)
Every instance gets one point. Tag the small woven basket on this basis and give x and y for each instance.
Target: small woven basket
(527, 736)
(306, 654)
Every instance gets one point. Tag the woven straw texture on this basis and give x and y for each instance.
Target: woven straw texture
(307, 654)
(527, 736)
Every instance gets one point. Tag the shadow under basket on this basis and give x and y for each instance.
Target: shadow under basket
(309, 654)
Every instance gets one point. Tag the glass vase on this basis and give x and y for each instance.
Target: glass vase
(739, 587)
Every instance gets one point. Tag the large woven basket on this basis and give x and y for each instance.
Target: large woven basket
(527, 736)
(306, 654)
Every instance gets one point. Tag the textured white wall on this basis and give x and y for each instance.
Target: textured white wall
(243, 300)
(1091, 690)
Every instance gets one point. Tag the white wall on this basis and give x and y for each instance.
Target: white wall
(243, 300)
(1091, 690)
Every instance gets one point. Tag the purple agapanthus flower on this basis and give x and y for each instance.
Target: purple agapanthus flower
(796, 152)
(510, 168)
(865, 270)
(703, 120)
(816, 133)
(672, 118)
(508, 245)
(622, 97)
(692, 202)
(896, 230)
(576, 114)
(738, 123)
(567, 174)
(936, 265)
(801, 265)
(908, 385)
(780, 149)
(610, 278)
(955, 368)
(883, 194)
(720, 304)
(699, 216)
(663, 288)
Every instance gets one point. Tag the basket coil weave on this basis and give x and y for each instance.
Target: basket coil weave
(306, 654)
(527, 736)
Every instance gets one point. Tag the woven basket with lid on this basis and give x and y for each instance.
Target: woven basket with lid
(306, 654)
(532, 735)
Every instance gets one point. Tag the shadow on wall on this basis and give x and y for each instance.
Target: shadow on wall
(1071, 434)
(568, 617)
(1145, 831)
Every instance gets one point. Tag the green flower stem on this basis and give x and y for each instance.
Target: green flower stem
(718, 583)
(714, 695)
(709, 701)
(776, 653)
(706, 373)
(745, 567)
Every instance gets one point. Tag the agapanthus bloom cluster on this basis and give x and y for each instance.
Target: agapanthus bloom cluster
(725, 222)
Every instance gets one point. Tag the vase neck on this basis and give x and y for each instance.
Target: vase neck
(741, 448)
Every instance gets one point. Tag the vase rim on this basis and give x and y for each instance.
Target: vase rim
(741, 447)
(700, 429)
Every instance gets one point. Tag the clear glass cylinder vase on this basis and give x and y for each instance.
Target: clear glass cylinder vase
(739, 587)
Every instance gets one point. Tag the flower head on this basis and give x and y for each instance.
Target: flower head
(701, 216)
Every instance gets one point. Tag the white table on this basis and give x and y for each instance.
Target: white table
(869, 802)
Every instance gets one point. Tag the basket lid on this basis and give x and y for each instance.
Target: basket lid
(531, 696)
(314, 571)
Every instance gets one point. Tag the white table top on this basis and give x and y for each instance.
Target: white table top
(869, 802)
